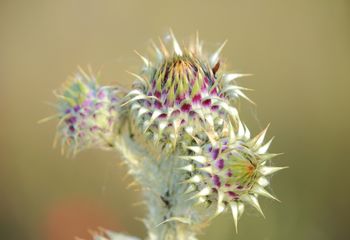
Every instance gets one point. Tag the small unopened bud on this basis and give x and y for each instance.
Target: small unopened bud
(87, 113)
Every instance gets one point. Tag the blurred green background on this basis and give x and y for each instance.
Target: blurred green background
(298, 50)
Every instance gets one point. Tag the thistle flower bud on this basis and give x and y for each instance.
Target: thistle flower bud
(231, 172)
(183, 97)
(87, 112)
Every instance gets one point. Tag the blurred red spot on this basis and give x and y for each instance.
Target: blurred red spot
(76, 217)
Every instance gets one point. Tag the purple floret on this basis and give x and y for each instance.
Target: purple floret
(220, 164)
(216, 180)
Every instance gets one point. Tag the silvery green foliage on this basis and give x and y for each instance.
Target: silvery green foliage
(180, 135)
(170, 212)
(109, 235)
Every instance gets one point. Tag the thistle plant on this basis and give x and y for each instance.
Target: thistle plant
(87, 113)
(179, 133)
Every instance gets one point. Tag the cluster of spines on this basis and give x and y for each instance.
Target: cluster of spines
(168, 98)
(181, 94)
(87, 112)
(230, 173)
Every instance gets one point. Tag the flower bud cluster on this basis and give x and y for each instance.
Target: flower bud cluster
(185, 103)
(87, 112)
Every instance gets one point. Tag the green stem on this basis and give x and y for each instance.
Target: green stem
(169, 216)
(170, 212)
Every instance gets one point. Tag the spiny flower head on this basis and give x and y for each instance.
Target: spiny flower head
(183, 96)
(185, 101)
(231, 172)
(87, 112)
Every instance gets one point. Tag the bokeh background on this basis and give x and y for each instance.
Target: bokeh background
(298, 50)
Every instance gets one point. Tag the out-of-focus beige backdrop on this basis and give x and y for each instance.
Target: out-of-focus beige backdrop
(299, 52)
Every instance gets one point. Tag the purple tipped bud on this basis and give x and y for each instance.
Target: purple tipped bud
(236, 167)
(183, 87)
(89, 112)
